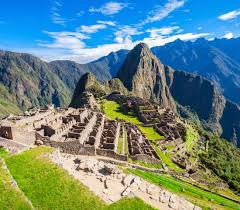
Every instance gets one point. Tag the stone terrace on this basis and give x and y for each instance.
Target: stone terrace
(78, 131)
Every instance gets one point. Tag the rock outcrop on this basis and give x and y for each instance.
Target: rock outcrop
(84, 93)
(199, 94)
(144, 76)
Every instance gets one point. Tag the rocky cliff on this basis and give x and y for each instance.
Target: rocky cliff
(199, 94)
(86, 85)
(144, 76)
(217, 60)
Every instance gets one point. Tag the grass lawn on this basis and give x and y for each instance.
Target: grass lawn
(200, 197)
(50, 187)
(129, 204)
(10, 197)
(111, 109)
(122, 140)
(191, 136)
(3, 153)
(166, 158)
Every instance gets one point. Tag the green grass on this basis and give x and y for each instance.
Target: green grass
(166, 158)
(3, 153)
(10, 197)
(50, 187)
(146, 164)
(191, 136)
(192, 193)
(129, 204)
(111, 109)
(120, 145)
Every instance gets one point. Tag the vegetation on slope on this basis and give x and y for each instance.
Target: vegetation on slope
(223, 158)
(10, 196)
(26, 81)
(50, 187)
(112, 110)
(194, 194)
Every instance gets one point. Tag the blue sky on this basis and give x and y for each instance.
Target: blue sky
(84, 30)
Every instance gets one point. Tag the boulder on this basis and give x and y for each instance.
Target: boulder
(152, 190)
(39, 142)
(112, 169)
(174, 206)
(164, 196)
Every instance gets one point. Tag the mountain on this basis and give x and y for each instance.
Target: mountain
(217, 60)
(144, 76)
(147, 78)
(27, 81)
(68, 71)
(104, 68)
(107, 67)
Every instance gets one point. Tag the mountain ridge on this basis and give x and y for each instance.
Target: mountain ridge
(187, 89)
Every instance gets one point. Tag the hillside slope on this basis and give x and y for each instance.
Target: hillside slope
(214, 60)
(27, 81)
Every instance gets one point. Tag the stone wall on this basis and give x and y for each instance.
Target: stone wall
(74, 148)
(88, 128)
(145, 158)
(111, 154)
(24, 137)
(6, 132)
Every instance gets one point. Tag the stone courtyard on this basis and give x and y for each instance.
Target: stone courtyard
(111, 184)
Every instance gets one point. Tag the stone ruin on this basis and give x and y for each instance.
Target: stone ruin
(80, 131)
(165, 124)
(139, 146)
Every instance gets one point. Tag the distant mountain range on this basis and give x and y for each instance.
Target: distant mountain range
(217, 60)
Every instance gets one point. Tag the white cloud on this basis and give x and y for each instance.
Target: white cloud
(161, 40)
(124, 33)
(230, 15)
(92, 28)
(65, 40)
(76, 49)
(163, 11)
(162, 31)
(228, 35)
(199, 28)
(110, 23)
(109, 8)
(55, 13)
(127, 30)
(80, 13)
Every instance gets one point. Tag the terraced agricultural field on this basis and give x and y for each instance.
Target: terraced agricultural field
(49, 187)
(111, 109)
(203, 198)
(10, 196)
